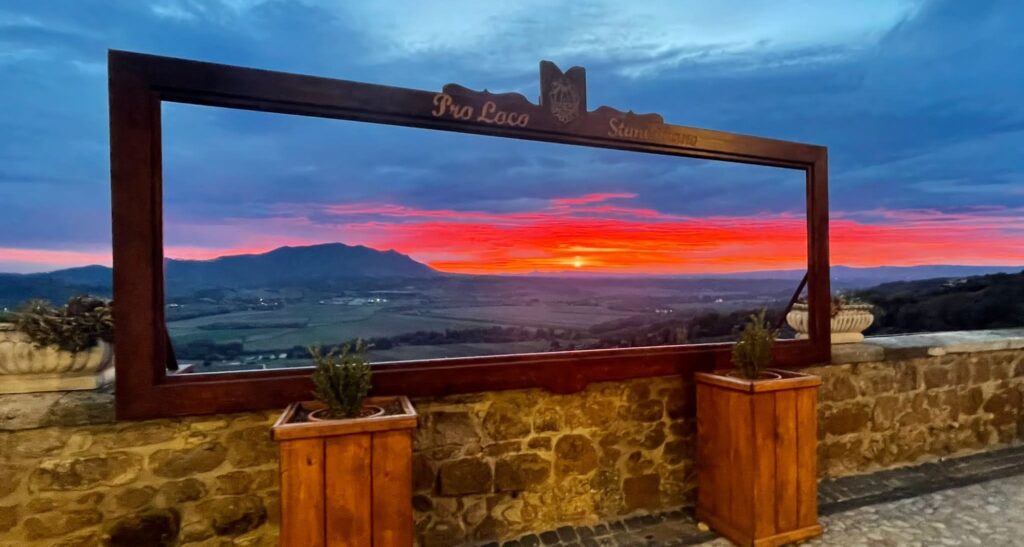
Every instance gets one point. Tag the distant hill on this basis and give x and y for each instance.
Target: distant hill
(294, 265)
(55, 286)
(280, 267)
(981, 302)
(329, 263)
(850, 277)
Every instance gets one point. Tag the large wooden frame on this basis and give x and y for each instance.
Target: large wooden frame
(138, 84)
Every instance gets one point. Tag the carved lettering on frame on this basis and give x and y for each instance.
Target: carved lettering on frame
(563, 104)
(445, 106)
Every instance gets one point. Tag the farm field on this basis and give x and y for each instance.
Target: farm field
(451, 317)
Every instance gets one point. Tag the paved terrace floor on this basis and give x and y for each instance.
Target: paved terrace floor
(977, 500)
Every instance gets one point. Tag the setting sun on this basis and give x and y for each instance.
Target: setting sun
(577, 262)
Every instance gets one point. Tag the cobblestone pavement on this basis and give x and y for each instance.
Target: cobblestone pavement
(989, 514)
(974, 500)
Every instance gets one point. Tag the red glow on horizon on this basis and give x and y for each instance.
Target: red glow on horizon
(37, 259)
(589, 234)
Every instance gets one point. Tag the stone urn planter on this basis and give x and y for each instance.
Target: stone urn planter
(25, 368)
(849, 321)
(757, 456)
(347, 481)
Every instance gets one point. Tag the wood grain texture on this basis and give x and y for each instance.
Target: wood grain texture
(764, 510)
(352, 490)
(706, 463)
(755, 465)
(302, 493)
(285, 429)
(137, 85)
(786, 455)
(348, 490)
(741, 466)
(807, 456)
(392, 489)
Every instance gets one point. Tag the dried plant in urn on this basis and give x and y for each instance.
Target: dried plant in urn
(74, 327)
(752, 353)
(342, 381)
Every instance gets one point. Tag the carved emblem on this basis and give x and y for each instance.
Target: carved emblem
(564, 100)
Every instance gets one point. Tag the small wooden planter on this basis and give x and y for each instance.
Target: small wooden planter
(757, 457)
(347, 482)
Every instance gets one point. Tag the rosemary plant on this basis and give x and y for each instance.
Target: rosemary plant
(341, 380)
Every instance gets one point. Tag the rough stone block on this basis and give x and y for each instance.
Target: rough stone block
(451, 428)
(443, 533)
(506, 420)
(884, 412)
(589, 412)
(645, 411)
(679, 401)
(9, 517)
(175, 492)
(422, 473)
(10, 478)
(970, 401)
(465, 476)
(872, 382)
(520, 472)
(547, 419)
(1004, 405)
(936, 376)
(134, 498)
(60, 523)
(234, 515)
(137, 434)
(178, 463)
(907, 377)
(654, 438)
(677, 451)
(86, 472)
(234, 482)
(643, 492)
(838, 388)
(847, 418)
(575, 455)
(251, 447)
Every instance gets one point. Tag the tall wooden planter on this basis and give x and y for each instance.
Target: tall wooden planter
(347, 482)
(757, 457)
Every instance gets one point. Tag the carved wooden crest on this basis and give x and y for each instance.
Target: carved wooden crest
(563, 107)
(563, 94)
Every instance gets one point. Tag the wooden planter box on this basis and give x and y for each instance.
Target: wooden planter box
(347, 482)
(757, 457)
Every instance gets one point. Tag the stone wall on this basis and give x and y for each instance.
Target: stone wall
(502, 464)
(499, 465)
(883, 414)
(70, 476)
(486, 466)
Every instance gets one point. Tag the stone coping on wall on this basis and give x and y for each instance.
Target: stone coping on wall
(71, 408)
(933, 344)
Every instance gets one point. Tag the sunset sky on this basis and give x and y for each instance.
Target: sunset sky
(918, 102)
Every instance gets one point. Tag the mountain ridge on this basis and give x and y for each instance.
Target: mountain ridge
(328, 262)
(278, 267)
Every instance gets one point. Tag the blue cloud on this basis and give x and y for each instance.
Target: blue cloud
(918, 103)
